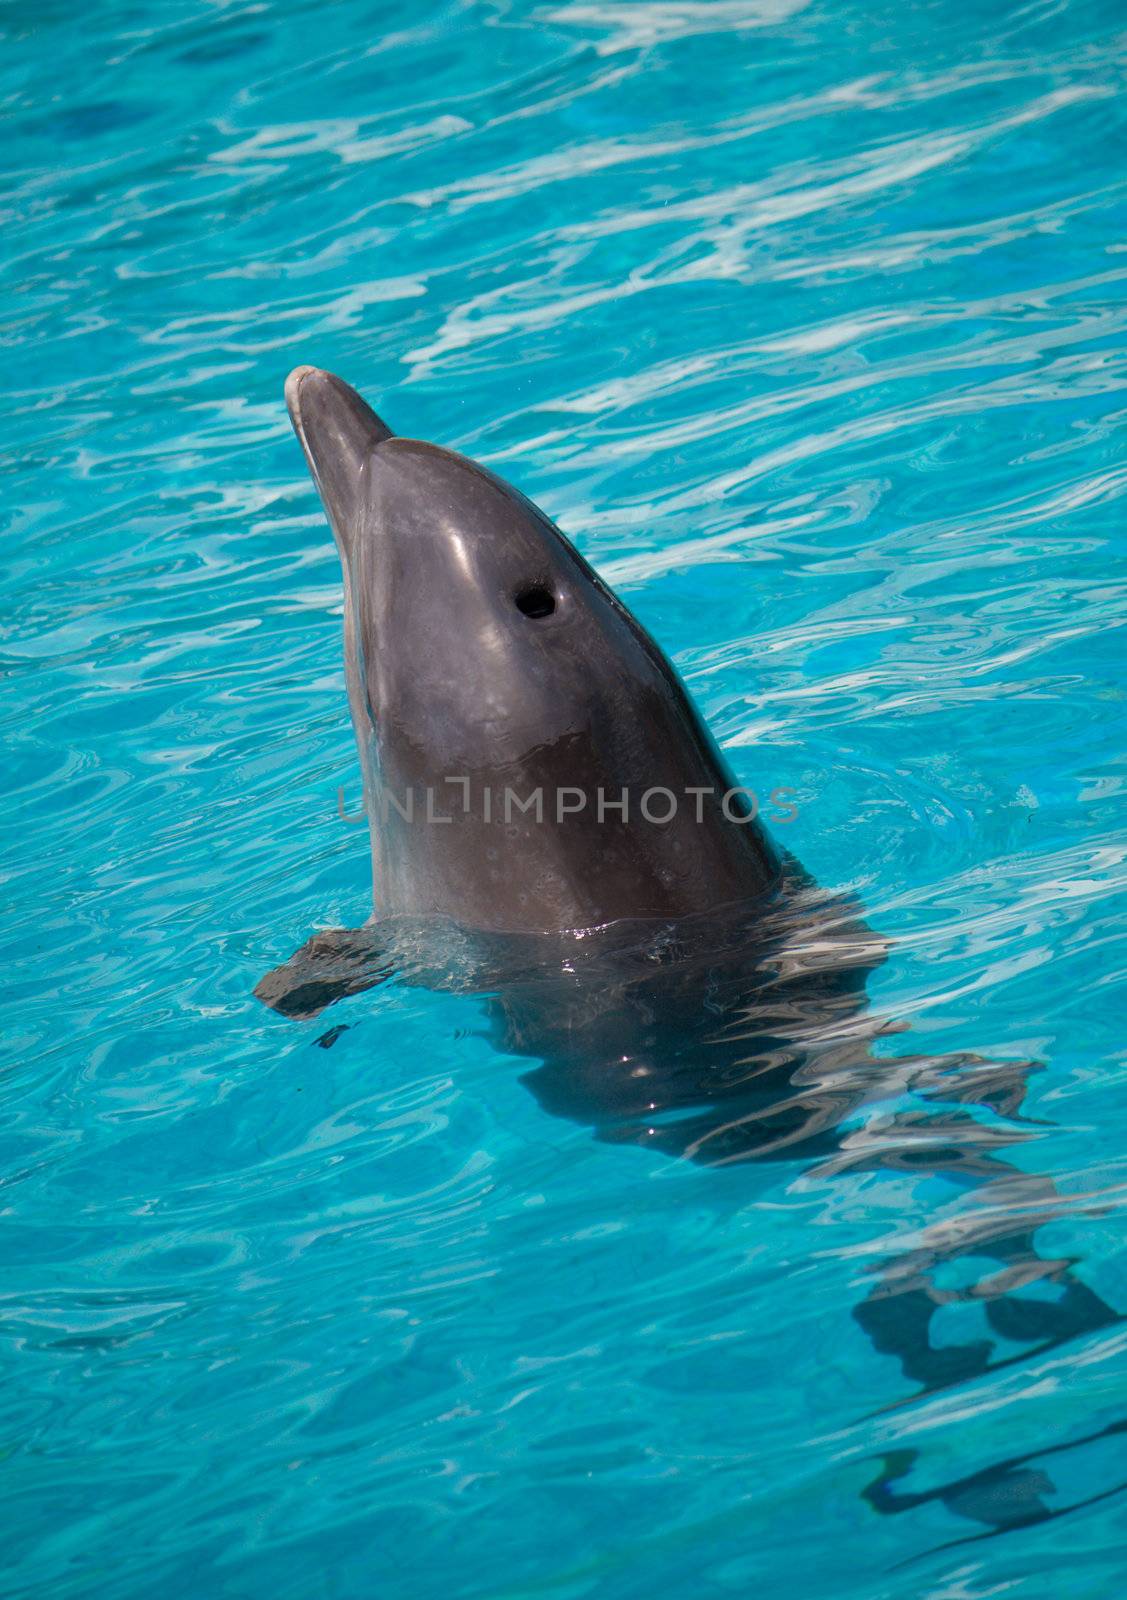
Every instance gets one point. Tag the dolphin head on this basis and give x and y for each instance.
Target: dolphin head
(488, 665)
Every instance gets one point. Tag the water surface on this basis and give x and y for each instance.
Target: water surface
(808, 322)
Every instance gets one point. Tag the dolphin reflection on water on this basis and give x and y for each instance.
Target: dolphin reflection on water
(676, 984)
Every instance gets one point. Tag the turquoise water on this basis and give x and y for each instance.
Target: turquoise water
(808, 322)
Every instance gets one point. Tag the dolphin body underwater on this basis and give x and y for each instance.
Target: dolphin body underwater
(677, 980)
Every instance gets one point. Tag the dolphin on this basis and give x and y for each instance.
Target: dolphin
(481, 647)
(554, 828)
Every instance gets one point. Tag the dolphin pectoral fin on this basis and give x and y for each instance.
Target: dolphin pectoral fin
(332, 964)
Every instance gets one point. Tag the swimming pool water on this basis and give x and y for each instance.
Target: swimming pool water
(808, 323)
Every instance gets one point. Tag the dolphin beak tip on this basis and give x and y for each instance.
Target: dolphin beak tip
(338, 431)
(293, 391)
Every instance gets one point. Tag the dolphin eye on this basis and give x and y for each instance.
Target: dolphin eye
(535, 600)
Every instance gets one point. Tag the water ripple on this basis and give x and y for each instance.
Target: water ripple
(808, 323)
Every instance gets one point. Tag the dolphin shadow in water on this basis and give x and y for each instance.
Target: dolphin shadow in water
(1006, 1497)
(681, 985)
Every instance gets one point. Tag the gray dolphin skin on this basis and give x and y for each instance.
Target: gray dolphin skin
(486, 659)
(679, 984)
